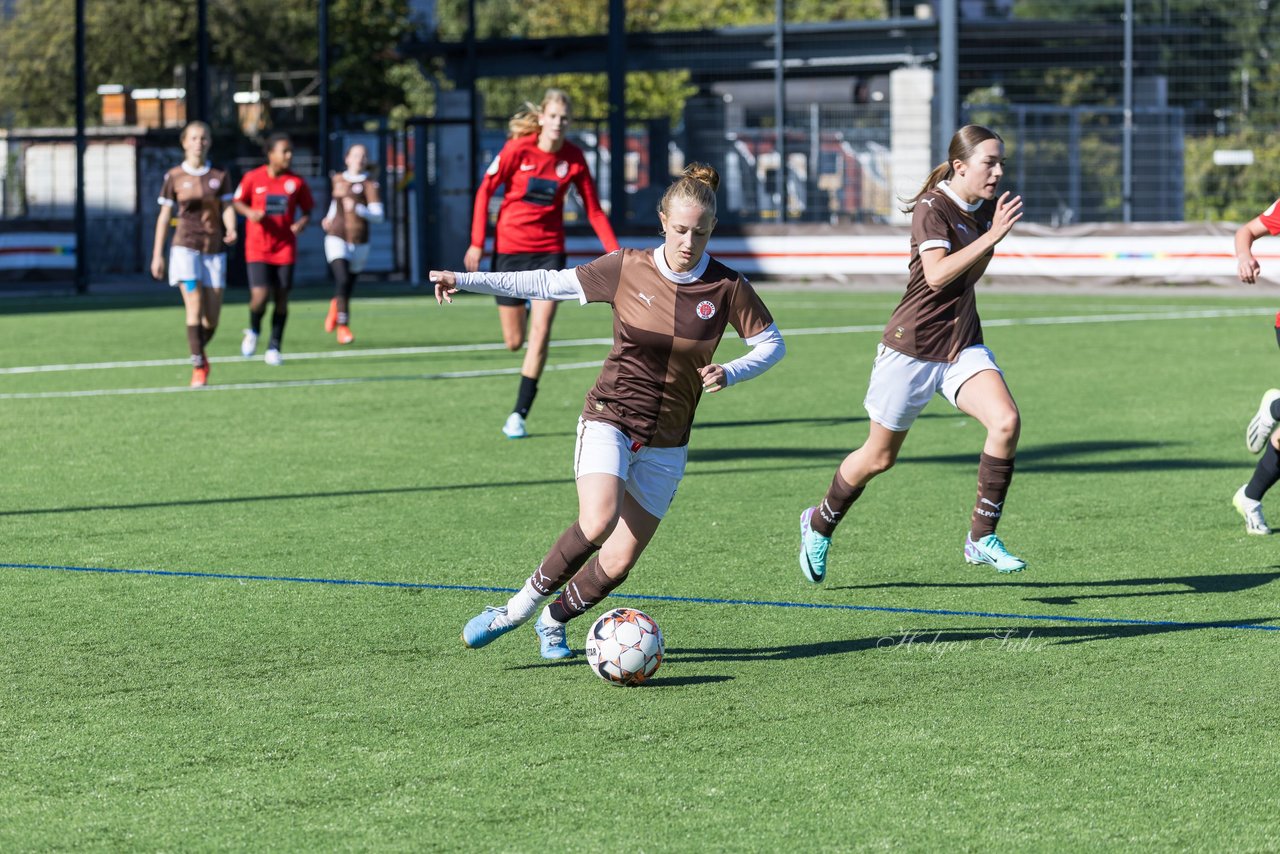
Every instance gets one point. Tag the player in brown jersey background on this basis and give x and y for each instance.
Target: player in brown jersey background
(355, 201)
(197, 196)
(933, 344)
(537, 166)
(671, 306)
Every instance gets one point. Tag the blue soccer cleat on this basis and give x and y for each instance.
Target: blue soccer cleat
(813, 550)
(991, 551)
(480, 629)
(551, 635)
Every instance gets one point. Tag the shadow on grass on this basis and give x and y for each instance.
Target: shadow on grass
(925, 641)
(658, 681)
(1223, 583)
(1050, 458)
(360, 493)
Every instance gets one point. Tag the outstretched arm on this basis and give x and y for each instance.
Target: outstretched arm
(526, 284)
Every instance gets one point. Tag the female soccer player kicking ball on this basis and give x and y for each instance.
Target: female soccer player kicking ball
(933, 344)
(671, 306)
(1258, 435)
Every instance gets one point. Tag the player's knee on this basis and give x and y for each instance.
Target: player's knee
(880, 462)
(1006, 426)
(597, 526)
(513, 342)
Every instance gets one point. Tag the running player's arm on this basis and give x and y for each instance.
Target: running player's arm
(941, 267)
(305, 203)
(167, 201)
(595, 214)
(229, 235)
(498, 173)
(372, 210)
(238, 203)
(1268, 222)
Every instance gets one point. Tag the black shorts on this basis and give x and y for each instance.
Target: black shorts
(264, 275)
(519, 261)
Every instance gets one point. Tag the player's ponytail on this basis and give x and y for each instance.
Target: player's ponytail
(696, 185)
(963, 143)
(526, 120)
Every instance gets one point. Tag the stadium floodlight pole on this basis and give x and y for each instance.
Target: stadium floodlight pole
(202, 61)
(322, 119)
(948, 74)
(780, 104)
(82, 230)
(1126, 187)
(617, 112)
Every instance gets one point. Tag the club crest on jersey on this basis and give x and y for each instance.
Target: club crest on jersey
(493, 167)
(357, 188)
(290, 185)
(706, 309)
(214, 183)
(562, 169)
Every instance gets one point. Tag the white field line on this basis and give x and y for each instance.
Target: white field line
(1199, 314)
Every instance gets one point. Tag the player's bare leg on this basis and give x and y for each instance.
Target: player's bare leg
(986, 397)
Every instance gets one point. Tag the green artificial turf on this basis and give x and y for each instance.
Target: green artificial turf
(1109, 697)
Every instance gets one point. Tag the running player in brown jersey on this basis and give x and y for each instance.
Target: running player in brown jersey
(355, 202)
(671, 307)
(198, 197)
(933, 344)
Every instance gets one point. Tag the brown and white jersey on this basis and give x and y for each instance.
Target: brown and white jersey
(935, 324)
(196, 198)
(666, 325)
(352, 225)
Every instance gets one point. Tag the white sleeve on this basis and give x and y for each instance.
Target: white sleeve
(373, 212)
(767, 349)
(526, 284)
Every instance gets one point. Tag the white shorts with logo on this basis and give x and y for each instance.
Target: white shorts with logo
(337, 249)
(652, 475)
(901, 386)
(188, 265)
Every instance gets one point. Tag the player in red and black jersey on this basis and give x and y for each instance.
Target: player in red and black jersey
(1260, 435)
(271, 198)
(537, 166)
(671, 306)
(933, 345)
(197, 197)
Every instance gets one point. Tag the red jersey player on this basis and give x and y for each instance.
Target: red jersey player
(537, 166)
(270, 198)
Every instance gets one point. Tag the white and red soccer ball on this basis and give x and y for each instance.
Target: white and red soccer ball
(624, 646)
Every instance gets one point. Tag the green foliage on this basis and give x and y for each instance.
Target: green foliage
(1231, 193)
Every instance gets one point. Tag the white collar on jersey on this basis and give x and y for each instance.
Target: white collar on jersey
(362, 176)
(946, 188)
(660, 258)
(196, 173)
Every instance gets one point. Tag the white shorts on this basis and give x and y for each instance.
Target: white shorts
(188, 265)
(652, 475)
(337, 249)
(901, 386)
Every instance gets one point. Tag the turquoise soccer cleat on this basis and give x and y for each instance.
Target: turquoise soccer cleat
(813, 550)
(991, 551)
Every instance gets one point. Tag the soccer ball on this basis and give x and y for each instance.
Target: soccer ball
(624, 646)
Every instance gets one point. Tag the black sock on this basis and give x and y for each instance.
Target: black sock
(524, 400)
(344, 280)
(1275, 409)
(1278, 327)
(1265, 474)
(278, 319)
(255, 320)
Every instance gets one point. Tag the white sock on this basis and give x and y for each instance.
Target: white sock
(522, 605)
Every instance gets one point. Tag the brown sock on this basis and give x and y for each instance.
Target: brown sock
(839, 498)
(994, 477)
(195, 340)
(584, 591)
(208, 333)
(566, 557)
